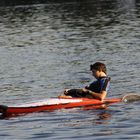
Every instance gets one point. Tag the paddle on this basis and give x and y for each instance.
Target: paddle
(130, 98)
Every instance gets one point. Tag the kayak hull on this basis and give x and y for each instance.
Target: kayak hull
(54, 104)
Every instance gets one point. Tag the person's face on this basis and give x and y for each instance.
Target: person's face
(95, 73)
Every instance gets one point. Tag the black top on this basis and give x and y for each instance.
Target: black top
(101, 84)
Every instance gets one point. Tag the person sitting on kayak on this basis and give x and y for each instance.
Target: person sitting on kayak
(97, 89)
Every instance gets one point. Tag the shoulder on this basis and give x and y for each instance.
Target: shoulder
(105, 83)
(106, 78)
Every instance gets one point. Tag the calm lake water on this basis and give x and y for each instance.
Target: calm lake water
(45, 48)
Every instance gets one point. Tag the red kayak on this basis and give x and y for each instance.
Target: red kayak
(55, 103)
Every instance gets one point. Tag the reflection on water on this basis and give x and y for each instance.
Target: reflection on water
(101, 117)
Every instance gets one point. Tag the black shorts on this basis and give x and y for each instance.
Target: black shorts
(76, 93)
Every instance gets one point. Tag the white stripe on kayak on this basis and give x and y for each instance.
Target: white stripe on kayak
(50, 101)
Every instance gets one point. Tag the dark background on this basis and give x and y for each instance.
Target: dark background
(28, 2)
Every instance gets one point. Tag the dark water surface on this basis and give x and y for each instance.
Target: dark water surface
(45, 48)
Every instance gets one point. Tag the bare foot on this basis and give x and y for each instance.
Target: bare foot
(64, 97)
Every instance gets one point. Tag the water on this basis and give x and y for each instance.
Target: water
(45, 48)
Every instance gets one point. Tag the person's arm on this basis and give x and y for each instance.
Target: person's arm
(103, 92)
(101, 96)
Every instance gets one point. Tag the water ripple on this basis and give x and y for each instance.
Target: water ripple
(45, 48)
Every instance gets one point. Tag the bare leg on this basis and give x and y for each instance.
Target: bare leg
(64, 97)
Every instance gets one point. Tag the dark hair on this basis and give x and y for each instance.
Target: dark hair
(98, 66)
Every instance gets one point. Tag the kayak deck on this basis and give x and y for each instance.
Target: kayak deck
(55, 103)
